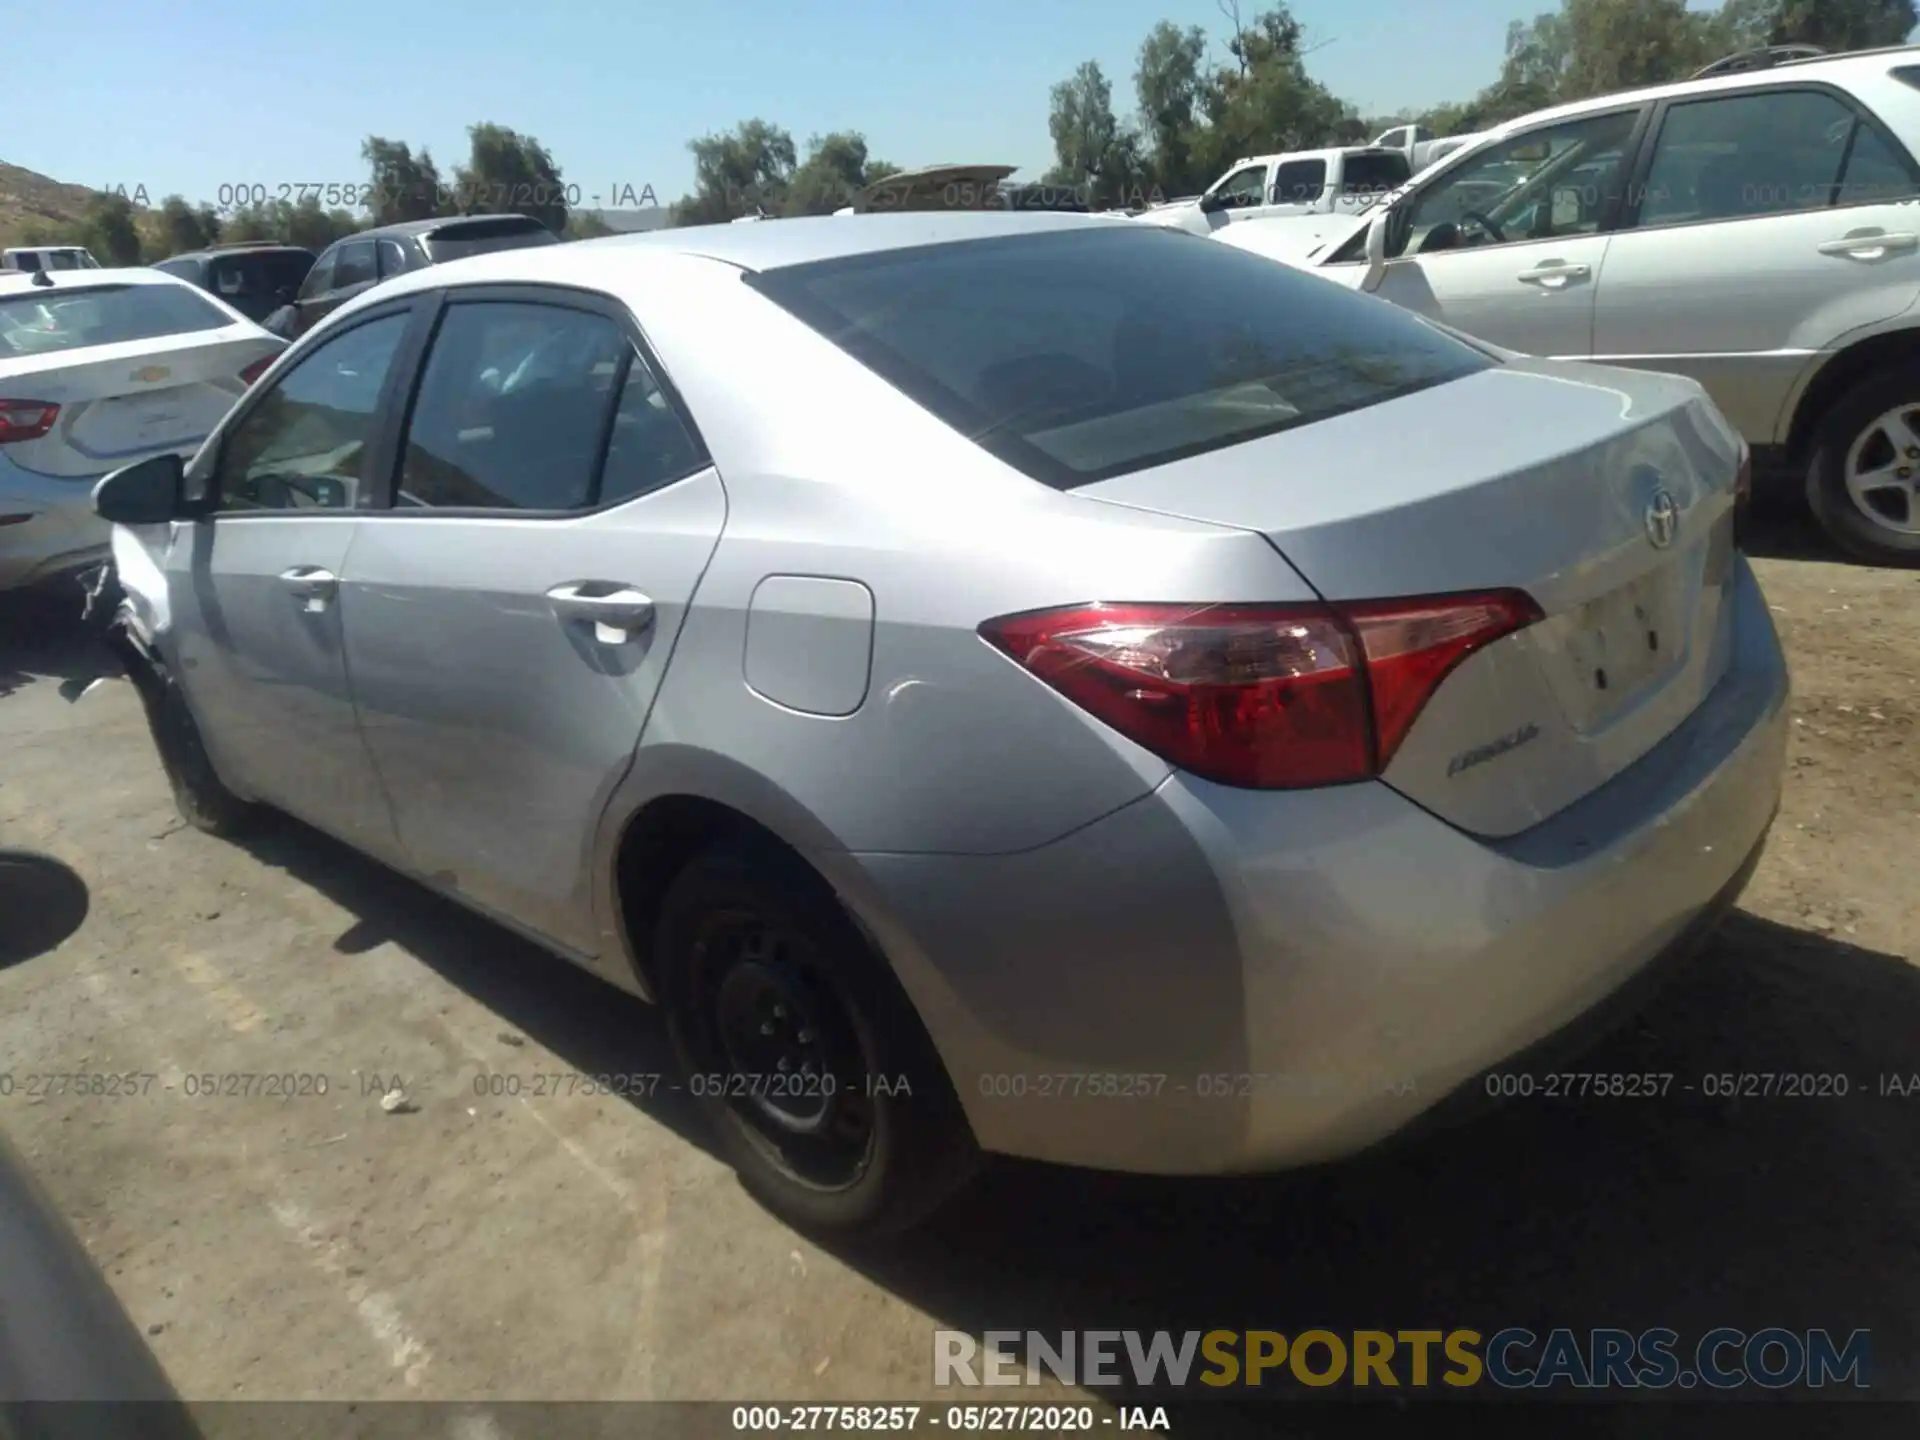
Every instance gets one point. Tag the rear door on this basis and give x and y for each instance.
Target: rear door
(509, 617)
(1508, 244)
(136, 370)
(1765, 224)
(254, 587)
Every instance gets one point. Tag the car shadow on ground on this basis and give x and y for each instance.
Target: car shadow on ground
(1691, 1211)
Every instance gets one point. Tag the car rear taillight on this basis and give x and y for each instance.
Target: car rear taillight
(1269, 697)
(258, 368)
(26, 419)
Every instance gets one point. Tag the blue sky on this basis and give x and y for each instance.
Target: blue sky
(226, 93)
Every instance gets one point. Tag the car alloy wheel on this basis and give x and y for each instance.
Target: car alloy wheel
(1882, 471)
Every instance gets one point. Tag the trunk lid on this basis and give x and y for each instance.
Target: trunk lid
(1538, 477)
(121, 403)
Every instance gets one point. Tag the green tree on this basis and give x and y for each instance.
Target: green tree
(508, 173)
(402, 185)
(1091, 148)
(1265, 101)
(109, 230)
(1596, 47)
(1838, 24)
(1167, 82)
(836, 170)
(250, 223)
(737, 174)
(182, 227)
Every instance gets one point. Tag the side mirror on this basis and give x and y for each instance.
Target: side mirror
(144, 493)
(1376, 251)
(1211, 204)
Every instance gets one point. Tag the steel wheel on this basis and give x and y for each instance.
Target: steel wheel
(787, 1052)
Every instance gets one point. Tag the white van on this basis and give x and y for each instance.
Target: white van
(48, 257)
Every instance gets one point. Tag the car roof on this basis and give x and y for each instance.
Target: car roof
(429, 227)
(769, 245)
(240, 247)
(1785, 72)
(14, 282)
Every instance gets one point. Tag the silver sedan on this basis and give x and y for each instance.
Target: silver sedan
(1022, 684)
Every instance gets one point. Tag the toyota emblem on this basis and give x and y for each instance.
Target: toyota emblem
(1663, 519)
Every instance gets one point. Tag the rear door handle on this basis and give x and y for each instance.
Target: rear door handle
(1870, 244)
(311, 584)
(615, 610)
(1553, 276)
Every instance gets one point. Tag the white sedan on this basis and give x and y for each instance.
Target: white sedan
(100, 368)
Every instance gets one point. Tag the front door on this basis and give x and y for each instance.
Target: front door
(1769, 224)
(509, 618)
(254, 588)
(1508, 245)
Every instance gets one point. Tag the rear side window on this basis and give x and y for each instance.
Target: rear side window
(1299, 182)
(486, 236)
(73, 319)
(1088, 353)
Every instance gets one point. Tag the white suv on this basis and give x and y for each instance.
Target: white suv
(1757, 230)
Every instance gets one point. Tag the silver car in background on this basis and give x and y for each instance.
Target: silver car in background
(1004, 683)
(100, 368)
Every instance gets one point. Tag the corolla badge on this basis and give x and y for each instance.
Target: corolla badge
(1662, 519)
(1493, 749)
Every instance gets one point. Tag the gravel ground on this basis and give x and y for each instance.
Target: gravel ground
(479, 1246)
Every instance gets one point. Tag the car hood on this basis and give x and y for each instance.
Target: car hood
(1294, 239)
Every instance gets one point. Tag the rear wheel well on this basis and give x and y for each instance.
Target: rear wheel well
(657, 844)
(1838, 376)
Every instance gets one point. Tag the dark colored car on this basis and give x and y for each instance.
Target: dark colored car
(256, 280)
(71, 1361)
(360, 261)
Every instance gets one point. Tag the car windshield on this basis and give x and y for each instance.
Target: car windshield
(511, 233)
(105, 315)
(1083, 354)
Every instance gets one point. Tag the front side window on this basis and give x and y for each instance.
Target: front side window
(303, 445)
(1083, 354)
(320, 278)
(513, 407)
(393, 259)
(1299, 182)
(1543, 185)
(1770, 153)
(1246, 186)
(74, 319)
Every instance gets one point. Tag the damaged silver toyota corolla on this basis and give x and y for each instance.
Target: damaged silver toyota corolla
(976, 670)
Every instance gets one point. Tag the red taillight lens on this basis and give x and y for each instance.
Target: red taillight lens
(1263, 696)
(258, 368)
(26, 419)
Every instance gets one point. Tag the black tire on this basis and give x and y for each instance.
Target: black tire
(1844, 521)
(203, 800)
(745, 927)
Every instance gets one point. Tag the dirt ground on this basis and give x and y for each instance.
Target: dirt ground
(492, 1248)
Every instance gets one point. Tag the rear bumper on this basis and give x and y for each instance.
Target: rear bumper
(61, 535)
(1215, 980)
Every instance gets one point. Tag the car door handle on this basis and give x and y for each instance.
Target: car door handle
(310, 582)
(615, 610)
(1870, 244)
(1553, 276)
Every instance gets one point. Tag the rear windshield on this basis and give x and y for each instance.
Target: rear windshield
(1079, 355)
(46, 321)
(485, 237)
(258, 275)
